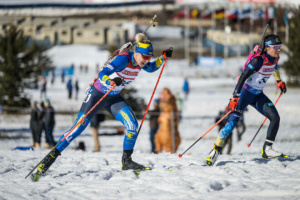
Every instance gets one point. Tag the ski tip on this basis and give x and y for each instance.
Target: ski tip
(248, 145)
(179, 155)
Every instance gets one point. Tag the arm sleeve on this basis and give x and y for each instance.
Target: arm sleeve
(276, 73)
(118, 64)
(155, 65)
(253, 66)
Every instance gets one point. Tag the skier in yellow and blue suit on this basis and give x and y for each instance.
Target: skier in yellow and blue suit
(119, 73)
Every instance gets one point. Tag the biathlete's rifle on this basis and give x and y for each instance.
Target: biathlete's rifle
(249, 144)
(80, 121)
(180, 155)
(128, 46)
(258, 49)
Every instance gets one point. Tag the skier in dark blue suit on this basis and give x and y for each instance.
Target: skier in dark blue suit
(120, 72)
(249, 91)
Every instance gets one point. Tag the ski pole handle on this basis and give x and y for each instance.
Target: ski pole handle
(153, 23)
(180, 155)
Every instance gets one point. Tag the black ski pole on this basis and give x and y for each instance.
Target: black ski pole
(180, 155)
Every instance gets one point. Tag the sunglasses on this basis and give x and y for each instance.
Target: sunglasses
(145, 57)
(275, 47)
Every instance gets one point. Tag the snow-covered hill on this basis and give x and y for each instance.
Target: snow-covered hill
(88, 175)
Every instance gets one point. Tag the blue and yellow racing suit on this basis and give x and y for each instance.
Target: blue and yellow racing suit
(122, 66)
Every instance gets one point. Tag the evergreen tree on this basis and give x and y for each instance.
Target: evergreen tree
(19, 67)
(292, 65)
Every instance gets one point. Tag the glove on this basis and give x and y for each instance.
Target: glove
(282, 86)
(233, 103)
(167, 53)
(116, 81)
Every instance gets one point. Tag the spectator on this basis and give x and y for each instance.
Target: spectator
(70, 88)
(52, 76)
(168, 124)
(76, 89)
(97, 68)
(186, 88)
(49, 120)
(44, 89)
(35, 125)
(95, 123)
(180, 104)
(153, 123)
(62, 75)
(42, 123)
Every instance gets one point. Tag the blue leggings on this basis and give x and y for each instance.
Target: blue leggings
(262, 104)
(115, 105)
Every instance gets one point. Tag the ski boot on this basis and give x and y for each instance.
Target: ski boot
(44, 166)
(128, 163)
(269, 152)
(213, 155)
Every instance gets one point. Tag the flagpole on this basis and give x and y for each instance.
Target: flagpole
(213, 47)
(225, 34)
(251, 27)
(200, 47)
(275, 19)
(186, 34)
(239, 31)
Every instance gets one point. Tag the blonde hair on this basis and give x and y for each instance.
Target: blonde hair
(142, 38)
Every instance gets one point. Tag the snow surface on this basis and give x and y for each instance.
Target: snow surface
(89, 175)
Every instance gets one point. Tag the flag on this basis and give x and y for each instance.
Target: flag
(270, 13)
(206, 14)
(220, 14)
(285, 18)
(245, 13)
(258, 14)
(232, 14)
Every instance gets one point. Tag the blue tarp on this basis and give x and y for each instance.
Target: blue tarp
(20, 5)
